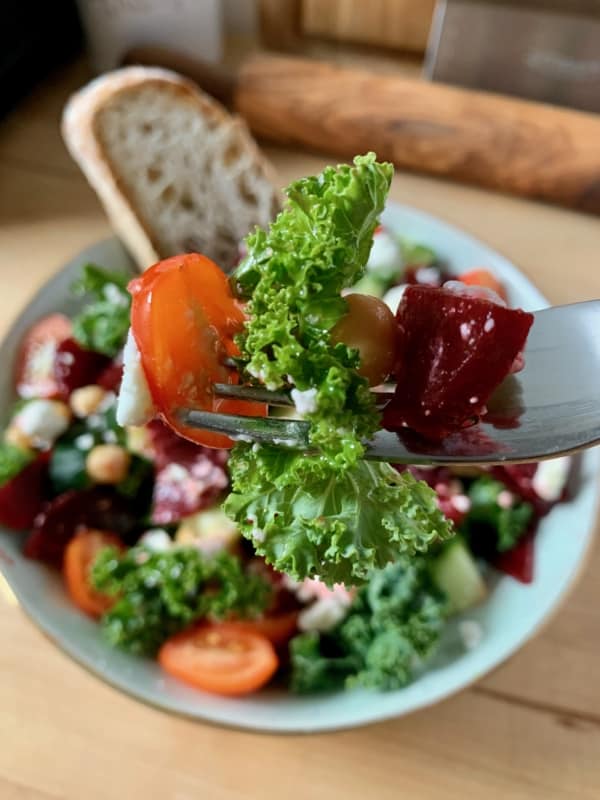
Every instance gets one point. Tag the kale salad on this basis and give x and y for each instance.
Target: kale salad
(237, 564)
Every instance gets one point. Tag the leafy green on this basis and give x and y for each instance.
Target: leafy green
(307, 519)
(293, 277)
(508, 524)
(159, 594)
(13, 460)
(392, 627)
(103, 324)
(329, 513)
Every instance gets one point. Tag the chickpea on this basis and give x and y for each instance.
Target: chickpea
(86, 400)
(14, 435)
(107, 463)
(370, 327)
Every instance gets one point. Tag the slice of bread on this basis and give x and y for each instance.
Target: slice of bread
(174, 170)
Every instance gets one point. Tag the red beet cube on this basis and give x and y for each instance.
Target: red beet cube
(454, 349)
(99, 507)
(22, 496)
(75, 367)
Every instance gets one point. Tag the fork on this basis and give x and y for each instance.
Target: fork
(549, 409)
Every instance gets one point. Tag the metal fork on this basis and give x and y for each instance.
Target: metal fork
(551, 408)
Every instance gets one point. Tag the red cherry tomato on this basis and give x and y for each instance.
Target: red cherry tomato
(184, 318)
(277, 628)
(220, 658)
(80, 555)
(34, 373)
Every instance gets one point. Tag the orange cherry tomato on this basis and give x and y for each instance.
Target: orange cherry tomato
(79, 557)
(184, 318)
(34, 372)
(483, 277)
(222, 659)
(370, 327)
(277, 628)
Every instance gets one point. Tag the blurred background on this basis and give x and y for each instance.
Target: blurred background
(546, 50)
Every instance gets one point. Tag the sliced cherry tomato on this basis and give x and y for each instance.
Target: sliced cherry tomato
(483, 277)
(79, 557)
(277, 628)
(183, 319)
(34, 373)
(223, 659)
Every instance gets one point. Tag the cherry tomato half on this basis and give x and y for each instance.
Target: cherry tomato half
(34, 373)
(184, 318)
(79, 557)
(277, 628)
(220, 658)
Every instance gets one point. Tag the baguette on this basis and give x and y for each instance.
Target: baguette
(173, 169)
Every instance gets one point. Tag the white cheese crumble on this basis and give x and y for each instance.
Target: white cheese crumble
(471, 633)
(157, 540)
(115, 296)
(393, 297)
(322, 615)
(551, 477)
(305, 401)
(134, 405)
(385, 258)
(43, 421)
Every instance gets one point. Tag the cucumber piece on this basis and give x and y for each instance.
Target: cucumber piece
(455, 572)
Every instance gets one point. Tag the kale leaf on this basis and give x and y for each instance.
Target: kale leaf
(308, 520)
(392, 627)
(13, 460)
(102, 325)
(160, 593)
(330, 512)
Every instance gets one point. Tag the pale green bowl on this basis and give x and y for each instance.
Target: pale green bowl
(512, 614)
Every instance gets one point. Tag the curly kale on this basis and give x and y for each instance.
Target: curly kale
(308, 520)
(328, 513)
(159, 594)
(103, 324)
(392, 627)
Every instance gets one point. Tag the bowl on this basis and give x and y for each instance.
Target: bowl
(512, 614)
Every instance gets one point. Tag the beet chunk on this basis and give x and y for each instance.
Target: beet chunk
(22, 496)
(99, 507)
(454, 349)
(75, 367)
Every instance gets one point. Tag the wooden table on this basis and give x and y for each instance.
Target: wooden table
(530, 730)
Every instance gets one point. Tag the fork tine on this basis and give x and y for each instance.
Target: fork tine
(254, 393)
(260, 395)
(290, 433)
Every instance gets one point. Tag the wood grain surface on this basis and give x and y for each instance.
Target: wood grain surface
(400, 24)
(515, 146)
(529, 731)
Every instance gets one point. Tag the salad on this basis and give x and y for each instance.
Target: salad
(235, 565)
